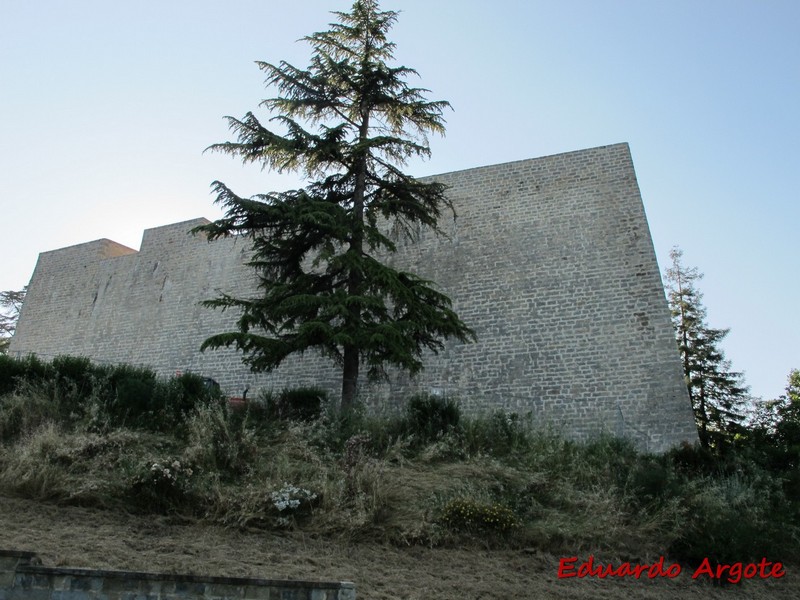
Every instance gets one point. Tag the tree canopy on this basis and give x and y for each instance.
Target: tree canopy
(347, 123)
(10, 305)
(778, 428)
(717, 393)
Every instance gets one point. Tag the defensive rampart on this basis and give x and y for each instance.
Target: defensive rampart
(550, 260)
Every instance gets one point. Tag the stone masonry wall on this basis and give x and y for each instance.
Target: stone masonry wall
(550, 260)
(22, 578)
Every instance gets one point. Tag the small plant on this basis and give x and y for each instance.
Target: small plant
(292, 502)
(219, 441)
(161, 485)
(468, 515)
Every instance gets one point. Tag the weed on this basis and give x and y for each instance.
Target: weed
(465, 514)
(160, 486)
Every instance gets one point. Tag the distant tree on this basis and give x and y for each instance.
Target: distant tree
(717, 393)
(10, 305)
(778, 425)
(347, 123)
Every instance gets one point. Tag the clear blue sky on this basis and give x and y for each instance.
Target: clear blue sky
(105, 108)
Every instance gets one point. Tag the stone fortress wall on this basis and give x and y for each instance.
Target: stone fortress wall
(549, 260)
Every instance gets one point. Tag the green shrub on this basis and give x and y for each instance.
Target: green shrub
(335, 427)
(77, 371)
(136, 397)
(734, 518)
(179, 396)
(299, 404)
(161, 486)
(429, 417)
(651, 480)
(498, 434)
(10, 370)
(693, 459)
(127, 395)
(14, 371)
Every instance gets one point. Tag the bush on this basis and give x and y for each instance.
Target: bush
(734, 518)
(30, 469)
(14, 371)
(25, 410)
(498, 434)
(131, 398)
(651, 481)
(161, 486)
(136, 397)
(693, 459)
(292, 503)
(429, 417)
(10, 370)
(299, 404)
(218, 442)
(181, 395)
(76, 372)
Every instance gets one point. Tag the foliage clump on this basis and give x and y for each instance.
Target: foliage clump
(73, 389)
(160, 485)
(295, 404)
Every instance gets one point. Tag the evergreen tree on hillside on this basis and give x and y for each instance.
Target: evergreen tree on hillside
(10, 305)
(347, 123)
(717, 393)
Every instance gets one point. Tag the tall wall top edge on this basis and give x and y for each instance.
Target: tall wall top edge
(621, 146)
(102, 248)
(105, 248)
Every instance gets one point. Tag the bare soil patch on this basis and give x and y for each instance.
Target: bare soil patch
(83, 537)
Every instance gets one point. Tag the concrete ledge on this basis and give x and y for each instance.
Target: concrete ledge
(21, 577)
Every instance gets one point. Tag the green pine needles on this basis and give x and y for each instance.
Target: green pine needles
(717, 393)
(347, 123)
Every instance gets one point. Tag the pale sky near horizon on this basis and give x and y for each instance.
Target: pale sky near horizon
(106, 107)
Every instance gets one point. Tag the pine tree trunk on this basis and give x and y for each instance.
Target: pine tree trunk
(704, 419)
(349, 377)
(351, 353)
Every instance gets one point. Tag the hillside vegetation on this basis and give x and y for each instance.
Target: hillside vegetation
(76, 434)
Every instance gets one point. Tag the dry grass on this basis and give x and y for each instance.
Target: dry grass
(369, 501)
(81, 537)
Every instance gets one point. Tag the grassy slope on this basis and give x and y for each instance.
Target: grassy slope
(404, 508)
(75, 536)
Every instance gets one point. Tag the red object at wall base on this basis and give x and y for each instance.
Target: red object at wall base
(237, 403)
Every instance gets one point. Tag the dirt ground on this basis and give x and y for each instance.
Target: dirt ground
(80, 537)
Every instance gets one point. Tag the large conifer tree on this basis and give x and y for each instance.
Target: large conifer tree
(346, 123)
(717, 393)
